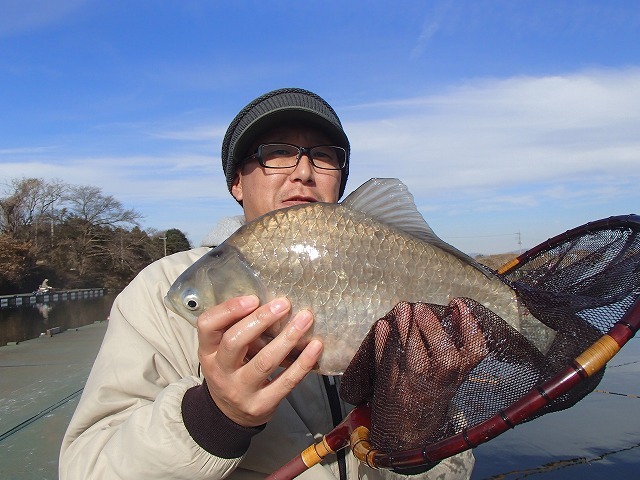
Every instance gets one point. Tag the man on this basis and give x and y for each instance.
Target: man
(167, 400)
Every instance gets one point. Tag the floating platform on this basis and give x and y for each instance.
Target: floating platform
(19, 299)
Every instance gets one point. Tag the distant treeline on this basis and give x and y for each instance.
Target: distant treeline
(74, 236)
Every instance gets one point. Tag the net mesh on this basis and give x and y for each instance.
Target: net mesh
(579, 286)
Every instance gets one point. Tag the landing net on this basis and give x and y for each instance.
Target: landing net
(580, 284)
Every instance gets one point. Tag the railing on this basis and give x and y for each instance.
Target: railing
(55, 296)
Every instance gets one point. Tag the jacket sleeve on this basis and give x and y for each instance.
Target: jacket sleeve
(129, 423)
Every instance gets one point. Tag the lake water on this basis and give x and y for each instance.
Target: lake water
(598, 438)
(25, 322)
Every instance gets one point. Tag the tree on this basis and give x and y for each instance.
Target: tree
(89, 205)
(18, 208)
(27, 212)
(15, 263)
(88, 225)
(74, 235)
(176, 241)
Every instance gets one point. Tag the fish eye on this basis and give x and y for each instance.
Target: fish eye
(191, 302)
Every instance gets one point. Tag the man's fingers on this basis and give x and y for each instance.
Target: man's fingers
(273, 354)
(219, 317)
(293, 375)
(213, 322)
(228, 328)
(475, 343)
(438, 340)
(235, 342)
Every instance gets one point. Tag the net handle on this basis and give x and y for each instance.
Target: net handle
(356, 424)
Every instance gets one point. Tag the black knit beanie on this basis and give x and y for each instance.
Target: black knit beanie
(287, 105)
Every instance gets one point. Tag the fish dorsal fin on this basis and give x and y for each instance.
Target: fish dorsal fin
(389, 201)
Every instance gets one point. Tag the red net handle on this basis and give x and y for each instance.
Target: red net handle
(358, 421)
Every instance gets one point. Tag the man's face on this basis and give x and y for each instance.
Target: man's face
(262, 190)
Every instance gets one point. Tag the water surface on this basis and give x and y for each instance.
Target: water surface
(595, 439)
(25, 322)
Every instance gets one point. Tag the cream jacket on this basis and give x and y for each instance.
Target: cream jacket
(129, 422)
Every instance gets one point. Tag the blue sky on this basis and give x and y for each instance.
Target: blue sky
(507, 119)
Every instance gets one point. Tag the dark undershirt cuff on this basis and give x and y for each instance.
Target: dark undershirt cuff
(211, 429)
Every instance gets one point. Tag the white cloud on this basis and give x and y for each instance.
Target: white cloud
(430, 27)
(504, 133)
(129, 178)
(26, 150)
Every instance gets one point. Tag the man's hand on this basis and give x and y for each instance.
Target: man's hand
(242, 389)
(410, 367)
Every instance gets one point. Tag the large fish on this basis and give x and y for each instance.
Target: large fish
(349, 263)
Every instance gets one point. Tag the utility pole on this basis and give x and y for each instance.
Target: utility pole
(164, 240)
(52, 215)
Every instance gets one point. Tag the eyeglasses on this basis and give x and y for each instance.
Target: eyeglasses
(284, 155)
